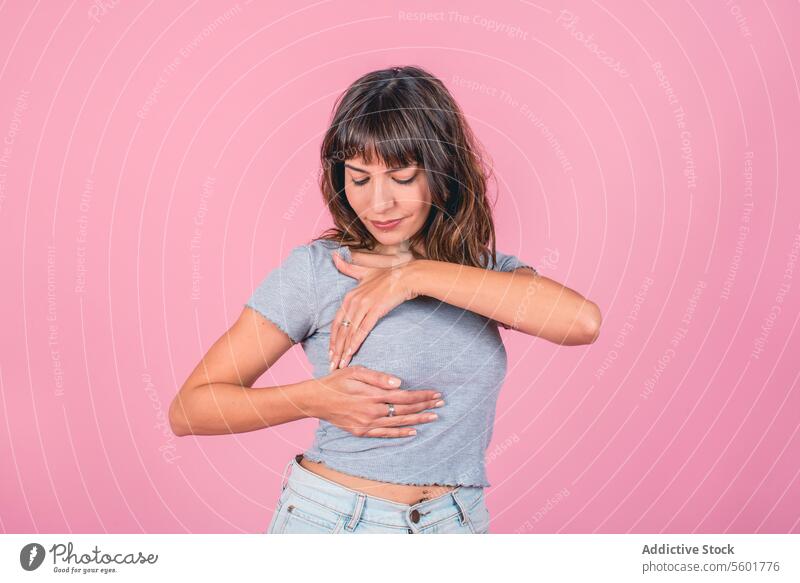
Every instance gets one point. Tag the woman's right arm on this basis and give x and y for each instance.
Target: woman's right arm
(217, 398)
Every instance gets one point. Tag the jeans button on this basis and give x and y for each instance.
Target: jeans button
(410, 531)
(415, 516)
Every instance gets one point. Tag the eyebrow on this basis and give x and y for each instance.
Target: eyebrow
(356, 168)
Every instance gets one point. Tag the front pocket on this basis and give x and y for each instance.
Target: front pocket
(301, 516)
(297, 523)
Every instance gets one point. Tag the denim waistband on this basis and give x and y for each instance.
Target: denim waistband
(360, 506)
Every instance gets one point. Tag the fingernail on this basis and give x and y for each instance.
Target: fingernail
(349, 350)
(341, 363)
(433, 416)
(330, 355)
(331, 367)
(412, 432)
(439, 403)
(437, 395)
(394, 381)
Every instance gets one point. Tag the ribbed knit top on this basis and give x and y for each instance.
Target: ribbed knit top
(427, 343)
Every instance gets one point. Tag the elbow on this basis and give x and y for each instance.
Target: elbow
(591, 319)
(178, 417)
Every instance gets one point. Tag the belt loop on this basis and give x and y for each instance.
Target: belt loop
(359, 508)
(463, 518)
(283, 476)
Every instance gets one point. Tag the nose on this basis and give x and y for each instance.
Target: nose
(382, 197)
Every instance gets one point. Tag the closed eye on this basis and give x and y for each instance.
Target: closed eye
(363, 182)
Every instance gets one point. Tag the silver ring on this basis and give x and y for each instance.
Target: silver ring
(345, 323)
(391, 409)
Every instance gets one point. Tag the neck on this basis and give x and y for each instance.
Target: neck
(397, 250)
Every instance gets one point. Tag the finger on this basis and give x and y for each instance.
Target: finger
(343, 314)
(396, 420)
(359, 335)
(337, 329)
(340, 263)
(349, 269)
(338, 345)
(417, 407)
(337, 341)
(390, 432)
(353, 331)
(341, 342)
(335, 326)
(407, 397)
(355, 315)
(377, 379)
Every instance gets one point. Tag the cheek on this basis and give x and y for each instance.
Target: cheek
(420, 202)
(357, 202)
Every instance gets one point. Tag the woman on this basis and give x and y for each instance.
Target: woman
(397, 308)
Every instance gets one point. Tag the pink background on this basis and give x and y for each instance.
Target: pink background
(157, 160)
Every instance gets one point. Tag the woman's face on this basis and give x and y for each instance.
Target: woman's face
(380, 196)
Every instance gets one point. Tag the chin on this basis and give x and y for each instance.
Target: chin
(389, 239)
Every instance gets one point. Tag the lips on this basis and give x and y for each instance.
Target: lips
(387, 224)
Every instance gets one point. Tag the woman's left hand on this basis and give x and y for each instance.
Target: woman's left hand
(380, 290)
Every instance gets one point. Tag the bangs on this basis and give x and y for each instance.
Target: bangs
(388, 135)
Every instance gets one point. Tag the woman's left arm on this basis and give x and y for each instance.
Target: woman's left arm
(520, 299)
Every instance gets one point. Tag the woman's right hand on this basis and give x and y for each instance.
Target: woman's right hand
(355, 399)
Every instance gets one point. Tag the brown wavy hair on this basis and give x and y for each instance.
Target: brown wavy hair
(404, 116)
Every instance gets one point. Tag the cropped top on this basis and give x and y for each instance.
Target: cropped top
(427, 343)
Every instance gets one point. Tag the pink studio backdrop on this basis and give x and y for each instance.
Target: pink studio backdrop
(158, 160)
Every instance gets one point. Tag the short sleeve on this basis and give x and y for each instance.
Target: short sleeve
(509, 263)
(287, 295)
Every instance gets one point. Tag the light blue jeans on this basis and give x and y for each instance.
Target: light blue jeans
(311, 504)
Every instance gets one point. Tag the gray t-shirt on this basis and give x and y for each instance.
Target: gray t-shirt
(426, 343)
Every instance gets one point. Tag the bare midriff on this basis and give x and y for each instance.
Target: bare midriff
(402, 493)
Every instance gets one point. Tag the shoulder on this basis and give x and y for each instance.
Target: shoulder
(319, 253)
(507, 262)
(318, 246)
(295, 259)
(308, 254)
(313, 257)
